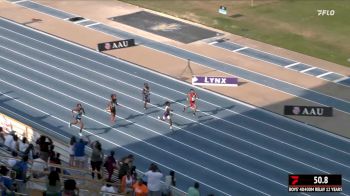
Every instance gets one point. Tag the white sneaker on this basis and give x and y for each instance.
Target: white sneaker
(80, 134)
(158, 117)
(171, 127)
(69, 125)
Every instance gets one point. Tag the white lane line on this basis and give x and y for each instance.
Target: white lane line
(333, 135)
(214, 42)
(106, 76)
(291, 65)
(79, 88)
(308, 69)
(115, 144)
(93, 24)
(47, 100)
(324, 74)
(79, 21)
(239, 49)
(20, 1)
(181, 143)
(243, 127)
(341, 79)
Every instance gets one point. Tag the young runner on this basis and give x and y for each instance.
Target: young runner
(167, 114)
(112, 107)
(191, 98)
(146, 95)
(79, 110)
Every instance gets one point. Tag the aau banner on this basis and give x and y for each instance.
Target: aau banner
(308, 111)
(115, 45)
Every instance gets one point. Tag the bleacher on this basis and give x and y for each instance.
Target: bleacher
(87, 185)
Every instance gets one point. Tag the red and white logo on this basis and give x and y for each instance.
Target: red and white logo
(296, 110)
(107, 46)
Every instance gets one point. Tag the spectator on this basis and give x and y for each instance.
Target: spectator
(70, 188)
(133, 173)
(55, 159)
(39, 167)
(53, 186)
(13, 160)
(2, 136)
(169, 181)
(193, 191)
(126, 164)
(110, 164)
(14, 144)
(6, 182)
(154, 180)
(30, 152)
(96, 159)
(44, 146)
(79, 153)
(8, 140)
(71, 150)
(140, 189)
(21, 168)
(108, 188)
(23, 145)
(126, 183)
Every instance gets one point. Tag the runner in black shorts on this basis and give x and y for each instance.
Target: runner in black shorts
(146, 95)
(77, 118)
(112, 107)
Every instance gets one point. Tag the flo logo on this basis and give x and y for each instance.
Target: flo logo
(326, 12)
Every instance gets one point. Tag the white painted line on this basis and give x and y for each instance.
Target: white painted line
(136, 138)
(324, 74)
(184, 83)
(79, 21)
(114, 143)
(214, 42)
(108, 76)
(93, 24)
(308, 69)
(239, 49)
(341, 79)
(291, 65)
(20, 1)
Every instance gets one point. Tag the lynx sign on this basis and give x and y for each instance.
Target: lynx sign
(115, 45)
(214, 81)
(308, 111)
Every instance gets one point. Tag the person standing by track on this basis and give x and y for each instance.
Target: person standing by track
(77, 119)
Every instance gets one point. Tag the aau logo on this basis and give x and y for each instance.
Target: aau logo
(308, 111)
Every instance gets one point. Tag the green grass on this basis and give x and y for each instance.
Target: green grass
(290, 24)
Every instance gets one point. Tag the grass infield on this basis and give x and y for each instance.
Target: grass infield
(290, 24)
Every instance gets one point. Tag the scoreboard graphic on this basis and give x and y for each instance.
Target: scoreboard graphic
(315, 183)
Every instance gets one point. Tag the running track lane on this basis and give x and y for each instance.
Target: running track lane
(231, 148)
